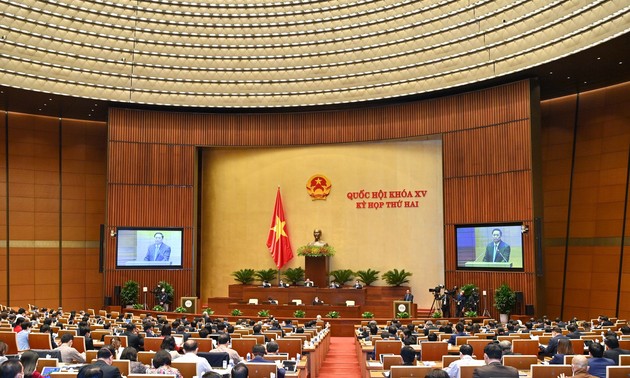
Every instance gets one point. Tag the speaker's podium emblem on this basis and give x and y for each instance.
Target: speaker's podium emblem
(318, 187)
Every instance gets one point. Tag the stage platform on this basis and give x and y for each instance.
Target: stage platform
(375, 299)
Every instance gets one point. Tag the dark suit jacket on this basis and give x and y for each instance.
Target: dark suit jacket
(552, 347)
(163, 254)
(309, 284)
(503, 255)
(134, 341)
(495, 370)
(408, 297)
(613, 354)
(108, 371)
(258, 359)
(597, 366)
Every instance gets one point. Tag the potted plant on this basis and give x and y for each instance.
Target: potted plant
(209, 311)
(138, 306)
(266, 275)
(368, 277)
(395, 277)
(299, 313)
(367, 315)
(244, 276)
(164, 294)
(402, 315)
(341, 276)
(263, 313)
(129, 293)
(333, 314)
(294, 275)
(504, 301)
(436, 314)
(158, 308)
(236, 312)
(180, 309)
(470, 314)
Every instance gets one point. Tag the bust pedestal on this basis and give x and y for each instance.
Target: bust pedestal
(317, 269)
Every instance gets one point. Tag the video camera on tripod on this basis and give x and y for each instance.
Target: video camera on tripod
(437, 291)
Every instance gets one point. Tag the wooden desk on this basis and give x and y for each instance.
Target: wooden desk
(305, 294)
(288, 310)
(316, 354)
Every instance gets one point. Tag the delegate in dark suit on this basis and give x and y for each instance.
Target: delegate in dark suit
(108, 370)
(408, 296)
(161, 253)
(502, 254)
(497, 250)
(552, 347)
(133, 340)
(613, 354)
(495, 370)
(259, 359)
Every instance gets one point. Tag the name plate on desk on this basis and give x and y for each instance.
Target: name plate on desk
(485, 264)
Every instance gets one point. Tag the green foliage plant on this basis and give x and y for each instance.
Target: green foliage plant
(129, 292)
(341, 276)
(294, 275)
(402, 315)
(368, 277)
(158, 308)
(367, 315)
(395, 277)
(333, 314)
(266, 275)
(504, 299)
(180, 309)
(236, 312)
(209, 311)
(263, 313)
(299, 313)
(244, 276)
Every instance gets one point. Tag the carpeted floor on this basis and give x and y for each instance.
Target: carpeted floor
(341, 360)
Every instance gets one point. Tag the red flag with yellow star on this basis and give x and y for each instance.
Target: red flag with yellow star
(278, 239)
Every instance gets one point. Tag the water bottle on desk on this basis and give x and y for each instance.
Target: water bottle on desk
(249, 357)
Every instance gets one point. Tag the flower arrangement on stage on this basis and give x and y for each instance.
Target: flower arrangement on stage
(316, 251)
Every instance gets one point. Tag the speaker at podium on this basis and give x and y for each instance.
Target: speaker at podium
(189, 303)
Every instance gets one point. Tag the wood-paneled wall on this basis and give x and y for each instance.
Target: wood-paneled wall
(487, 167)
(585, 149)
(52, 201)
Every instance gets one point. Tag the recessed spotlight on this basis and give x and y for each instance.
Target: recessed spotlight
(620, 62)
(550, 72)
(585, 82)
(599, 58)
(568, 77)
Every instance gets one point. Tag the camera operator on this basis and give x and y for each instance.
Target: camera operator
(460, 303)
(446, 301)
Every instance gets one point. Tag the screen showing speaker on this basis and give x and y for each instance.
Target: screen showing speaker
(489, 246)
(146, 248)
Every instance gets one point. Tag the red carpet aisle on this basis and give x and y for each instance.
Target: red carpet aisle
(341, 360)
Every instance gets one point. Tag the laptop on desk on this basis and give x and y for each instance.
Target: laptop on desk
(289, 365)
(49, 369)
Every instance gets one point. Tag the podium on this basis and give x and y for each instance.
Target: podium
(189, 303)
(317, 269)
(402, 306)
